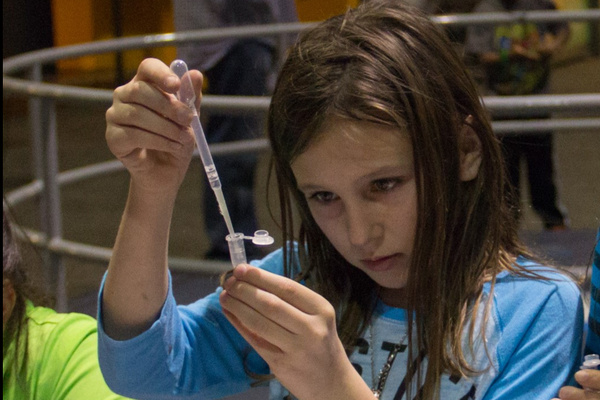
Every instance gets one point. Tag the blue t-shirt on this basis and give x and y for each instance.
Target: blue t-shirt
(533, 347)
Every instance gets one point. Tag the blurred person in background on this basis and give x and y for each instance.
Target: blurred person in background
(234, 67)
(516, 59)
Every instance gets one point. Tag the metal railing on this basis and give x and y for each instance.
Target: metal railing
(43, 97)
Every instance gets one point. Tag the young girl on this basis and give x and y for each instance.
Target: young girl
(45, 355)
(403, 278)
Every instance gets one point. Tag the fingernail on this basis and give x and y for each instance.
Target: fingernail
(240, 269)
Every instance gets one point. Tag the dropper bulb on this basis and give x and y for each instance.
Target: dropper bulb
(186, 92)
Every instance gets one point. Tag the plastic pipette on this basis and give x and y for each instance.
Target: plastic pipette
(187, 95)
(235, 240)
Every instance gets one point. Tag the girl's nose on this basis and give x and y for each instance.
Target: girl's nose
(362, 224)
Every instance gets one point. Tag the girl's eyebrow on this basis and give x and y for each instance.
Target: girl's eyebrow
(383, 172)
(386, 170)
(310, 187)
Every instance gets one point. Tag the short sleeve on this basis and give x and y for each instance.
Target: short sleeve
(69, 368)
(540, 348)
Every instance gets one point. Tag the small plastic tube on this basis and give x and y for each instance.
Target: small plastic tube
(237, 251)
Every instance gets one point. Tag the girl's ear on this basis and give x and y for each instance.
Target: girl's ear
(469, 147)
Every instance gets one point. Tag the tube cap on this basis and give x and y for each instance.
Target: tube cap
(262, 238)
(591, 361)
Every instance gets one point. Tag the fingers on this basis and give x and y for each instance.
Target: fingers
(129, 122)
(279, 310)
(146, 115)
(160, 75)
(126, 140)
(290, 291)
(589, 378)
(154, 87)
(254, 339)
(571, 393)
(260, 330)
(291, 327)
(262, 310)
(137, 95)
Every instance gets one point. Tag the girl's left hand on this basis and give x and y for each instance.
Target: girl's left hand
(294, 330)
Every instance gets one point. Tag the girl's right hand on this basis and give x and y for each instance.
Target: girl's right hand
(148, 129)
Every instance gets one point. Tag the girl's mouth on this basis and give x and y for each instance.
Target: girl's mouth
(381, 264)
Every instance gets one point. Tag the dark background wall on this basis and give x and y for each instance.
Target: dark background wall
(26, 26)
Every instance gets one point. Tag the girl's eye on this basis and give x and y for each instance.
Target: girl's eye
(323, 197)
(385, 185)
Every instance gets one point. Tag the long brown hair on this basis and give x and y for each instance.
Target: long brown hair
(20, 272)
(386, 63)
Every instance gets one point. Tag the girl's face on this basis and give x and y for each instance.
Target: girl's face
(358, 179)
